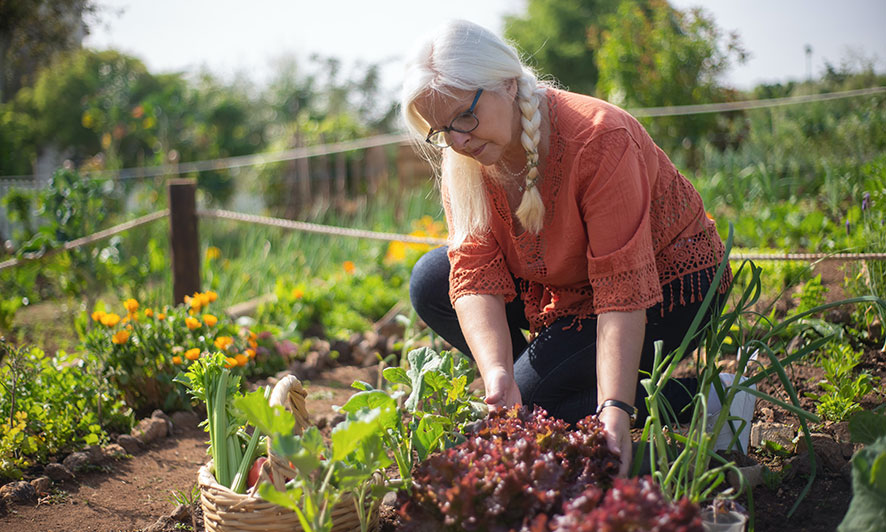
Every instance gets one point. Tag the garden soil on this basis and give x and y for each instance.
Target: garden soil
(132, 494)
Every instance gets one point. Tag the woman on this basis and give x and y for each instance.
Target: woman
(565, 219)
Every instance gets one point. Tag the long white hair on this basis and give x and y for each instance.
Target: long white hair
(463, 56)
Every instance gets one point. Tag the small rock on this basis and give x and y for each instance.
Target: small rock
(129, 443)
(370, 351)
(181, 513)
(360, 353)
(19, 492)
(42, 485)
(797, 465)
(775, 432)
(355, 339)
(113, 451)
(58, 472)
(95, 454)
(768, 414)
(753, 476)
(372, 340)
(159, 414)
(828, 452)
(76, 461)
(322, 346)
(185, 421)
(841, 432)
(150, 430)
(390, 499)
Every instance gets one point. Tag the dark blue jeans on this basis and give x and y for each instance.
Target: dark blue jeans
(557, 370)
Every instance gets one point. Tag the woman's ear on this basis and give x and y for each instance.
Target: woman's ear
(512, 87)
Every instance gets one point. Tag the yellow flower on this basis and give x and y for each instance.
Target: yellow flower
(110, 319)
(176, 360)
(131, 305)
(349, 267)
(396, 252)
(297, 293)
(120, 337)
(212, 253)
(149, 313)
(210, 320)
(253, 344)
(230, 362)
(223, 342)
(98, 315)
(193, 353)
(192, 323)
(211, 296)
(241, 359)
(161, 316)
(250, 353)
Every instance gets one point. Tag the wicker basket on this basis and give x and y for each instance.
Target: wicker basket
(227, 511)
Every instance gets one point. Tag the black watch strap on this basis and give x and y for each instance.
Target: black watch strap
(630, 409)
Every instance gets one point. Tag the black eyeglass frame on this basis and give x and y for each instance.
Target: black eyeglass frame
(469, 112)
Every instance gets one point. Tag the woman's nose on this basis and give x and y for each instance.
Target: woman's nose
(459, 140)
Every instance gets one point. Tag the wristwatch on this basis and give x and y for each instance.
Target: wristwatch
(630, 409)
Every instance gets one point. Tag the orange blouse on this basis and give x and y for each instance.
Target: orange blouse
(620, 222)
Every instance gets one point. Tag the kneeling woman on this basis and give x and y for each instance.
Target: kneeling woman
(565, 219)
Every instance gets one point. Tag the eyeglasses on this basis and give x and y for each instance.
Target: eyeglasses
(463, 123)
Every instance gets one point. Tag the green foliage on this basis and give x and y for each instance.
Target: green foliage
(866, 426)
(52, 405)
(843, 389)
(867, 509)
(558, 39)
(651, 55)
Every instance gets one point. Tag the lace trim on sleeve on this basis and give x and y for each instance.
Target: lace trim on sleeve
(489, 278)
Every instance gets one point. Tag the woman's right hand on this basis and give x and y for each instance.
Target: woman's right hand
(501, 390)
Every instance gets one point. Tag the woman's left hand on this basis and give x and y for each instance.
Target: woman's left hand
(617, 425)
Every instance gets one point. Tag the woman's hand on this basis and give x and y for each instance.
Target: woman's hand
(501, 390)
(617, 425)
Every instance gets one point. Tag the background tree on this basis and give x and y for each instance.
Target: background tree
(653, 55)
(33, 32)
(560, 38)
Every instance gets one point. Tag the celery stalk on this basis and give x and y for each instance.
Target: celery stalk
(239, 482)
(219, 444)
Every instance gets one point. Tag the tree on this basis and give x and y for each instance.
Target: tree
(32, 33)
(652, 55)
(560, 39)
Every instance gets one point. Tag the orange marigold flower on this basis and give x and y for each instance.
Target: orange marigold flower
(110, 319)
(253, 344)
(349, 266)
(149, 313)
(230, 362)
(212, 253)
(223, 342)
(176, 360)
(193, 353)
(297, 293)
(130, 305)
(120, 337)
(192, 323)
(98, 315)
(211, 296)
(250, 353)
(253, 336)
(161, 316)
(210, 320)
(241, 359)
(709, 215)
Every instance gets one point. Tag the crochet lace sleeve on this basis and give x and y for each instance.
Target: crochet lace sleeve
(615, 207)
(477, 266)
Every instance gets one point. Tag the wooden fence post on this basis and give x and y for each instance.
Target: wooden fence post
(184, 246)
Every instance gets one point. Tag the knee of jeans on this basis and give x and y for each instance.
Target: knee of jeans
(429, 281)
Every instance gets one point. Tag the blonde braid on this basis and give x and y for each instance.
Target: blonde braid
(531, 211)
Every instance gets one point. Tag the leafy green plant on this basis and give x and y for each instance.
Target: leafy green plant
(324, 471)
(51, 405)
(435, 413)
(843, 389)
(867, 509)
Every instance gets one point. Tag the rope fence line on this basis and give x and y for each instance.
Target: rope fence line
(373, 235)
(317, 228)
(88, 239)
(240, 161)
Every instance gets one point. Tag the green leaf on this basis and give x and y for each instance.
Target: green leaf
(865, 427)
(397, 375)
(352, 432)
(421, 361)
(878, 474)
(293, 448)
(260, 414)
(427, 435)
(361, 385)
(389, 413)
(867, 509)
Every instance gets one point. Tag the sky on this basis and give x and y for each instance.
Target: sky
(230, 37)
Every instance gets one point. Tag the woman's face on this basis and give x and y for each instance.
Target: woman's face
(498, 131)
